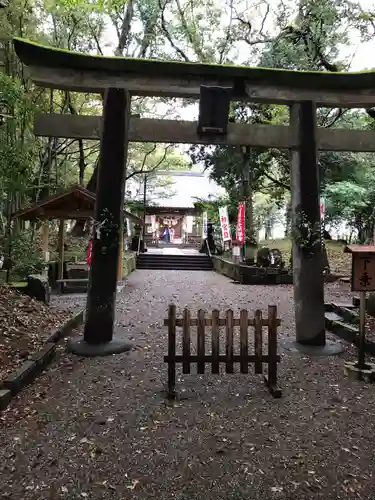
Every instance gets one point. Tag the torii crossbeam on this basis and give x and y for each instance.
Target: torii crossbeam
(185, 132)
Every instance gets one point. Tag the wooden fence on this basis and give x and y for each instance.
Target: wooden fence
(215, 358)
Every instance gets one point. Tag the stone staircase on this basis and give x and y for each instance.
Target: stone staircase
(195, 262)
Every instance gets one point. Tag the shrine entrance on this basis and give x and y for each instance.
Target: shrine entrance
(215, 86)
(180, 221)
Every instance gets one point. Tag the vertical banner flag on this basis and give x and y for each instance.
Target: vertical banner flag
(322, 208)
(224, 221)
(240, 230)
(89, 253)
(153, 223)
(189, 223)
(204, 225)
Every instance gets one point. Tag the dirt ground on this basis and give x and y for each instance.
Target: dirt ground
(102, 428)
(25, 325)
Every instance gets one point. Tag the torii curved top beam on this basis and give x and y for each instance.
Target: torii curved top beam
(57, 68)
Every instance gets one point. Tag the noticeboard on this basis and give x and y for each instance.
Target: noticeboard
(363, 272)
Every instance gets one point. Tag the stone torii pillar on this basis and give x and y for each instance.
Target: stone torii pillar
(307, 249)
(101, 300)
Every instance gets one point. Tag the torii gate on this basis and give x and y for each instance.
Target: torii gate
(120, 78)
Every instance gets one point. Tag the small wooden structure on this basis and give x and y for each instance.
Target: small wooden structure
(362, 281)
(215, 358)
(363, 267)
(74, 203)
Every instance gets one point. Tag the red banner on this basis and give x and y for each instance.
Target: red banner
(240, 230)
(89, 253)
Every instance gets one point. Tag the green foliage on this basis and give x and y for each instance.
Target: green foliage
(352, 201)
(266, 211)
(212, 209)
(312, 41)
(308, 36)
(26, 256)
(16, 150)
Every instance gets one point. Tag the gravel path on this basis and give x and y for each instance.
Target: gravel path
(101, 428)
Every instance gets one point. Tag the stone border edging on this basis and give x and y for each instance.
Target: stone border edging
(36, 364)
(247, 275)
(238, 273)
(349, 333)
(62, 330)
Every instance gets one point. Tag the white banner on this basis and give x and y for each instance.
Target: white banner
(189, 223)
(224, 222)
(153, 223)
(204, 225)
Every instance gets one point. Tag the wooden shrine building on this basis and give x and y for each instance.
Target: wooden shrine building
(175, 218)
(74, 203)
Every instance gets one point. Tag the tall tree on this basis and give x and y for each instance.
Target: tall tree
(311, 42)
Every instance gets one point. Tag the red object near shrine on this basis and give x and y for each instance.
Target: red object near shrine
(240, 231)
(89, 253)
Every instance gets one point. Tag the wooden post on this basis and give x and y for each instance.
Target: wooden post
(307, 267)
(271, 378)
(201, 348)
(244, 341)
(215, 341)
(363, 281)
(258, 341)
(61, 249)
(45, 246)
(229, 341)
(171, 351)
(101, 300)
(362, 331)
(45, 236)
(186, 342)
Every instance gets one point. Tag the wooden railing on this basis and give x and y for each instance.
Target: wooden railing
(215, 322)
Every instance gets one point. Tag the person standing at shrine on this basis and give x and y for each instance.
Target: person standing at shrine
(166, 235)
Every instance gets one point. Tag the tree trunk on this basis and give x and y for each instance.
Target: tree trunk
(267, 229)
(288, 219)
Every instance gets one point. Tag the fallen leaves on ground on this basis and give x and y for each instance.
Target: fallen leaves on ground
(25, 324)
(339, 261)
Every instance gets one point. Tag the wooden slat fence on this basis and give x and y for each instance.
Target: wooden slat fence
(201, 358)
